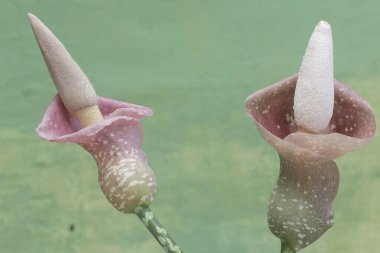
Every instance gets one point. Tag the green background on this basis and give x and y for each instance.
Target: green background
(194, 63)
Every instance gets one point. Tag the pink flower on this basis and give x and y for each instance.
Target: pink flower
(124, 174)
(300, 208)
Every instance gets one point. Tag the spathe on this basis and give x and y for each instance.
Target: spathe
(300, 208)
(115, 142)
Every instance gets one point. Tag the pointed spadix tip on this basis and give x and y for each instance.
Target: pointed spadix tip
(31, 17)
(324, 25)
(40, 30)
(34, 21)
(73, 86)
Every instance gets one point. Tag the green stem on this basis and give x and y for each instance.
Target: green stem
(286, 249)
(157, 230)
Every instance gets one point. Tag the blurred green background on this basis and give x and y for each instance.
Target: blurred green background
(194, 63)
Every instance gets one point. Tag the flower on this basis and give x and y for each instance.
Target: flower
(300, 208)
(115, 142)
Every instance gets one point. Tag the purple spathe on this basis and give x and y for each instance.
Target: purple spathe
(115, 142)
(300, 208)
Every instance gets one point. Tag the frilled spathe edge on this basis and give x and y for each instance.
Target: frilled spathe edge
(352, 124)
(58, 125)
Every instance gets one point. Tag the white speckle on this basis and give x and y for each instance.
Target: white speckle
(163, 231)
(149, 215)
(122, 205)
(300, 207)
(135, 182)
(279, 208)
(161, 239)
(130, 160)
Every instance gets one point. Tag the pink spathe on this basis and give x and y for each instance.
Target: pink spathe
(115, 142)
(300, 208)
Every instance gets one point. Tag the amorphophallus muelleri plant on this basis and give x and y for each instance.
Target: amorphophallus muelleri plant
(109, 130)
(310, 119)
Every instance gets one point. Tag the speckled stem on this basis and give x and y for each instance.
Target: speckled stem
(286, 249)
(157, 230)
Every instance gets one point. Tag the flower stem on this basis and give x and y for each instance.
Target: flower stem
(157, 230)
(286, 249)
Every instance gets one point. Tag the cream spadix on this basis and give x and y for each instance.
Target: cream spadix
(73, 86)
(314, 94)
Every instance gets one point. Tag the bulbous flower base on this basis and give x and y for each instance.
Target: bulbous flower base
(300, 208)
